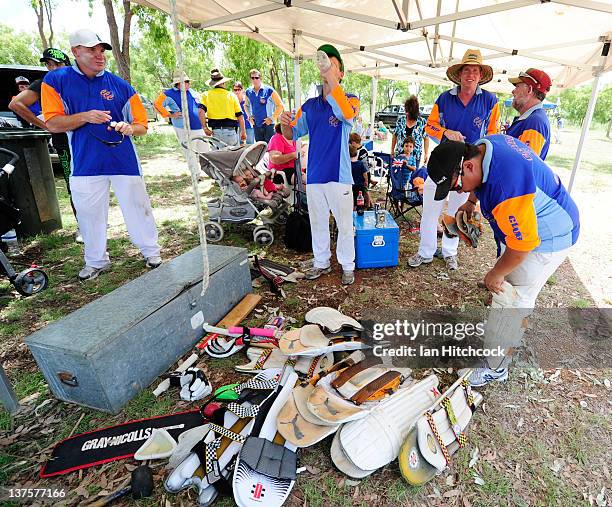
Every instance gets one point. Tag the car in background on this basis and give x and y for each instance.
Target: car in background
(149, 108)
(8, 89)
(390, 114)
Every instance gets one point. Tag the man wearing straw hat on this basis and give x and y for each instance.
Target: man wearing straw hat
(464, 113)
(169, 105)
(220, 111)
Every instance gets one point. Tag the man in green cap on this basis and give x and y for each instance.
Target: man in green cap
(328, 120)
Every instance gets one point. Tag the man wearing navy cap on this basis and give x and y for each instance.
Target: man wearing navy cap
(532, 216)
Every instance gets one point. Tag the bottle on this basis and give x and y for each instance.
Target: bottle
(360, 203)
(10, 239)
(322, 61)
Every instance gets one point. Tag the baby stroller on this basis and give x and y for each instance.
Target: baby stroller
(31, 280)
(235, 204)
(402, 195)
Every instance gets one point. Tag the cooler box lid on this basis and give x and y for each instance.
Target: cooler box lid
(366, 223)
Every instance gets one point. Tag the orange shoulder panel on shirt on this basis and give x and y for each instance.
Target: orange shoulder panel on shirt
(348, 105)
(494, 120)
(51, 102)
(138, 111)
(534, 140)
(297, 117)
(433, 127)
(516, 217)
(159, 105)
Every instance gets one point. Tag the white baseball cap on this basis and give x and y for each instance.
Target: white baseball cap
(88, 39)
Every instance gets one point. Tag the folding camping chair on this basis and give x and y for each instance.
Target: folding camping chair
(402, 196)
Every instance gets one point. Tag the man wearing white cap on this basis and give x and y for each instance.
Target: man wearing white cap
(101, 112)
(169, 105)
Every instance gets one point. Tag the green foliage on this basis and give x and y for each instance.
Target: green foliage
(19, 48)
(153, 59)
(574, 104)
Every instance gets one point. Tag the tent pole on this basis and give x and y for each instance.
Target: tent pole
(373, 104)
(297, 83)
(192, 162)
(586, 123)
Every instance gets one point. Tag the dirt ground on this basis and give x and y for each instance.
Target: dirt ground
(538, 440)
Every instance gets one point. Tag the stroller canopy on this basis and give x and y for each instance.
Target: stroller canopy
(233, 160)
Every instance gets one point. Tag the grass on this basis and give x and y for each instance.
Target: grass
(156, 143)
(170, 192)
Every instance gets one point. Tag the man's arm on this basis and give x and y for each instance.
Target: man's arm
(19, 105)
(278, 106)
(532, 138)
(345, 108)
(507, 263)
(494, 120)
(286, 128)
(425, 150)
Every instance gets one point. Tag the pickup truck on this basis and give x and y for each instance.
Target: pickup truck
(390, 114)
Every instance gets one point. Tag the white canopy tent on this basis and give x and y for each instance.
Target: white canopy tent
(416, 40)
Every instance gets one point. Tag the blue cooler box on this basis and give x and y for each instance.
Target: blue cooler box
(375, 247)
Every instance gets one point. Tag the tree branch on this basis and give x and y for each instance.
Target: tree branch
(49, 14)
(38, 9)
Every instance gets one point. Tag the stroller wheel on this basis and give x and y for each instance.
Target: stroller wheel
(214, 231)
(31, 281)
(263, 237)
(281, 219)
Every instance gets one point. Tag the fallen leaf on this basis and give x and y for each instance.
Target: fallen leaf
(520, 423)
(313, 470)
(450, 480)
(583, 404)
(474, 457)
(479, 480)
(452, 493)
(601, 498)
(606, 383)
(351, 483)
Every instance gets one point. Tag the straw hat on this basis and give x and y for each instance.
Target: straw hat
(471, 57)
(216, 78)
(177, 77)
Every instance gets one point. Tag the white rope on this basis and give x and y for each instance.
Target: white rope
(191, 157)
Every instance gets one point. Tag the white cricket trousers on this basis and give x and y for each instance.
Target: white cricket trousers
(528, 278)
(429, 221)
(337, 198)
(91, 194)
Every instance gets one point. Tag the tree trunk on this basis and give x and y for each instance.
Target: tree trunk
(40, 20)
(49, 15)
(121, 52)
(609, 127)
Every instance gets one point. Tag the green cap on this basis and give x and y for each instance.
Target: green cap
(330, 50)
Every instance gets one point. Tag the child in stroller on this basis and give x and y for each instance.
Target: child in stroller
(232, 168)
(29, 281)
